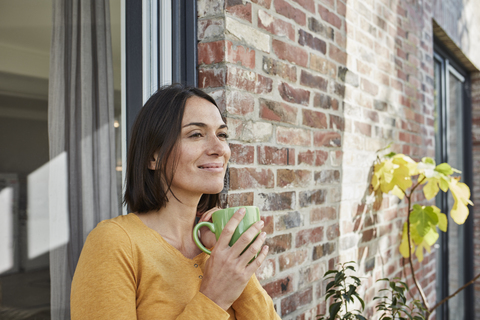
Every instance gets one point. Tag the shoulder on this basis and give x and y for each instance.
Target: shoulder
(112, 235)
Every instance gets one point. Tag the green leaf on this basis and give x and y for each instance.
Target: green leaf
(334, 308)
(444, 168)
(428, 160)
(329, 272)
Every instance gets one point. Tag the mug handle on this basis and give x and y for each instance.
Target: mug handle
(199, 244)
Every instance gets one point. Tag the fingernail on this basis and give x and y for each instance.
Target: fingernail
(263, 234)
(266, 248)
(242, 211)
(261, 224)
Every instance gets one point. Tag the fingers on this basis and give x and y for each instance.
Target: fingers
(247, 237)
(252, 267)
(208, 214)
(229, 228)
(253, 249)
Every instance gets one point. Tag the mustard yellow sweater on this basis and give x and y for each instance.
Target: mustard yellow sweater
(128, 271)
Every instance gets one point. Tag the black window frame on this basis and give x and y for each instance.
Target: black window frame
(447, 59)
(184, 52)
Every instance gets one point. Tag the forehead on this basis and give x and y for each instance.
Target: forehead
(200, 110)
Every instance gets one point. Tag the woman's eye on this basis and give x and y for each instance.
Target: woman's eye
(195, 135)
(223, 135)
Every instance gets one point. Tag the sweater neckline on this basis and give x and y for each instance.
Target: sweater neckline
(165, 243)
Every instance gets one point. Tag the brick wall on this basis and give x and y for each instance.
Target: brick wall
(311, 89)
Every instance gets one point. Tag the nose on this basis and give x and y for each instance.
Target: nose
(217, 146)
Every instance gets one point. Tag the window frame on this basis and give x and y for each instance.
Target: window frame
(449, 64)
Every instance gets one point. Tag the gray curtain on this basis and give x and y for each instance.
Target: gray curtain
(81, 135)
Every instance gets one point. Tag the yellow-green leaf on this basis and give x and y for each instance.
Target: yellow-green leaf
(431, 189)
(461, 195)
(442, 219)
(444, 168)
(419, 253)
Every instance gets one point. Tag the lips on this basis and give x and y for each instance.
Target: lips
(214, 167)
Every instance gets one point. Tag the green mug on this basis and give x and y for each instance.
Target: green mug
(220, 219)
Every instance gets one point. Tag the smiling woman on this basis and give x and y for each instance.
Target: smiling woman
(146, 265)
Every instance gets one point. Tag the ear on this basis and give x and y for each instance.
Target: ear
(152, 163)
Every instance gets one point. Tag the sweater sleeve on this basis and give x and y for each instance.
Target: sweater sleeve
(254, 303)
(104, 283)
(202, 308)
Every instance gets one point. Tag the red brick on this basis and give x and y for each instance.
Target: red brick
(211, 52)
(241, 79)
(211, 78)
(277, 111)
(327, 177)
(323, 214)
(279, 287)
(309, 5)
(263, 3)
(272, 155)
(368, 235)
(292, 259)
(362, 128)
(239, 9)
(266, 270)
(329, 17)
(240, 199)
(312, 81)
(337, 123)
(240, 54)
(291, 53)
(314, 119)
(242, 154)
(277, 201)
(308, 236)
(323, 101)
(240, 103)
(294, 95)
(280, 243)
(263, 84)
(369, 87)
(296, 300)
(341, 8)
(268, 224)
(279, 68)
(337, 54)
(306, 39)
(293, 178)
(246, 178)
(285, 9)
(317, 158)
(323, 65)
(293, 136)
(306, 157)
(323, 250)
(327, 139)
(275, 26)
(333, 232)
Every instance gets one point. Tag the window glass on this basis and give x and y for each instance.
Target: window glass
(25, 32)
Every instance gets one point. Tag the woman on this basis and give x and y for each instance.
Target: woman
(145, 265)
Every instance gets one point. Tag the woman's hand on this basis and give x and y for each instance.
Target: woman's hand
(206, 236)
(228, 271)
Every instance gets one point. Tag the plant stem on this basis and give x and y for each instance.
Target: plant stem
(410, 260)
(454, 294)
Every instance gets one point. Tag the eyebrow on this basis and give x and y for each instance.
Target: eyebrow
(203, 125)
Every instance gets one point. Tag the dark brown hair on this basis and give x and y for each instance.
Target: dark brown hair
(157, 129)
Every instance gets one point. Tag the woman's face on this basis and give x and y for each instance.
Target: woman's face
(202, 150)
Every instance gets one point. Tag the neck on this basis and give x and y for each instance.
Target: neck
(175, 223)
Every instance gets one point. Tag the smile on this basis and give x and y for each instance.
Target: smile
(213, 167)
